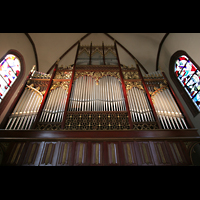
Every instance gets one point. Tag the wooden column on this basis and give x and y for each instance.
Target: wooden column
(103, 54)
(70, 89)
(45, 96)
(124, 88)
(148, 95)
(178, 102)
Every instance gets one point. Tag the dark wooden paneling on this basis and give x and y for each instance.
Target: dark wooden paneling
(176, 153)
(113, 154)
(160, 153)
(129, 153)
(96, 154)
(81, 154)
(16, 154)
(33, 154)
(144, 154)
(49, 154)
(64, 157)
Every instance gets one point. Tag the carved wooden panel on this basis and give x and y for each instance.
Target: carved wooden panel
(80, 157)
(160, 153)
(176, 153)
(16, 154)
(33, 154)
(144, 154)
(49, 154)
(113, 153)
(64, 157)
(97, 153)
(129, 153)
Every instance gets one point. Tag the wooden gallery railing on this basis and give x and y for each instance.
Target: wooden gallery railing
(97, 114)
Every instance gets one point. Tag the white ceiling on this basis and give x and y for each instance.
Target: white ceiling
(50, 46)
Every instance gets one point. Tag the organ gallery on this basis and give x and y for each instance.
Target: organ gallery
(97, 112)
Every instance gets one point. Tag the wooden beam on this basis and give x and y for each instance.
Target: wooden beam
(68, 51)
(127, 52)
(149, 97)
(124, 88)
(44, 98)
(70, 89)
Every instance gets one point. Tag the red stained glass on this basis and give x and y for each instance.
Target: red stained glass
(9, 70)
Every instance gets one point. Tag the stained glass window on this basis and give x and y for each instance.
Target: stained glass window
(9, 71)
(189, 77)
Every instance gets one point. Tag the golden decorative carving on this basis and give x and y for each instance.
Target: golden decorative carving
(63, 75)
(130, 75)
(97, 75)
(158, 90)
(56, 84)
(130, 85)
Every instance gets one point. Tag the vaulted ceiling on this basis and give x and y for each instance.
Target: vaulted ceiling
(50, 46)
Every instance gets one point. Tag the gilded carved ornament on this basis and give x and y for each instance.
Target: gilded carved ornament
(130, 85)
(64, 85)
(97, 75)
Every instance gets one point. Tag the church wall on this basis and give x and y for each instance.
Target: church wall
(19, 42)
(189, 42)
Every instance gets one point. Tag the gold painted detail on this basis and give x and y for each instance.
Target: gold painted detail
(129, 153)
(145, 153)
(32, 153)
(97, 75)
(161, 153)
(63, 75)
(97, 121)
(80, 153)
(158, 90)
(48, 154)
(64, 85)
(130, 85)
(130, 75)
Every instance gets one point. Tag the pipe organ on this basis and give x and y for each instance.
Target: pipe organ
(88, 104)
(97, 93)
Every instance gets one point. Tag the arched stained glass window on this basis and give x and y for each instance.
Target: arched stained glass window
(10, 68)
(189, 77)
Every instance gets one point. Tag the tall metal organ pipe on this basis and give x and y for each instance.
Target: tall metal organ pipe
(106, 96)
(26, 110)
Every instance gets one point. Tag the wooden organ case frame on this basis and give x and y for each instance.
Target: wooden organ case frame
(97, 112)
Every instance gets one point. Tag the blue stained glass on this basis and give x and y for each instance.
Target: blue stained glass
(189, 77)
(9, 70)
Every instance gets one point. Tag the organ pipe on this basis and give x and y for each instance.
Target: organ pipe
(106, 96)
(54, 107)
(168, 111)
(26, 109)
(140, 108)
